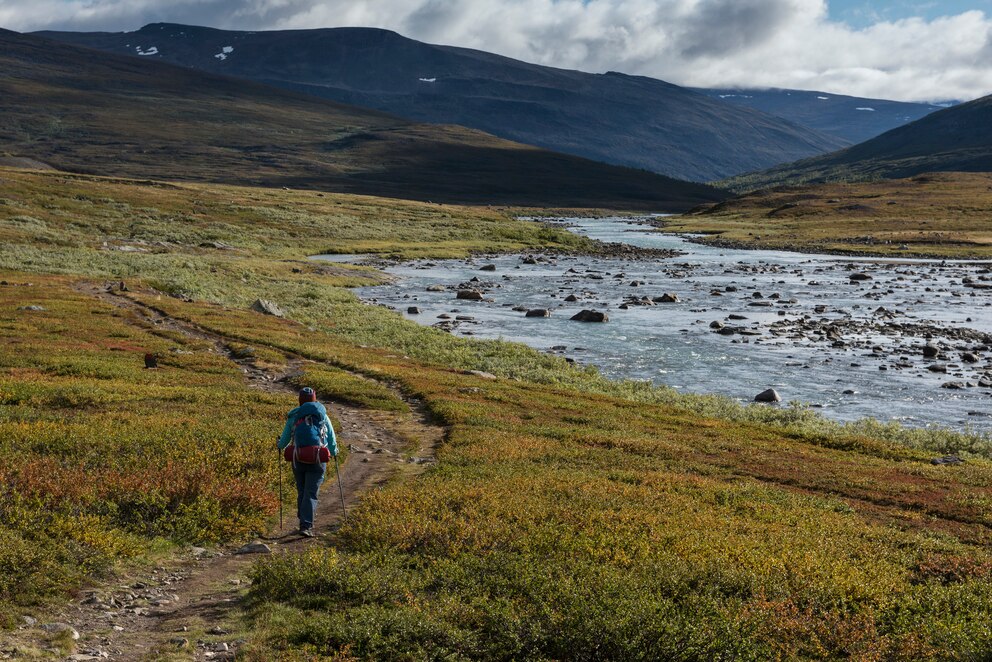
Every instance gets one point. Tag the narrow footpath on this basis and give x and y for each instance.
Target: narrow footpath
(188, 608)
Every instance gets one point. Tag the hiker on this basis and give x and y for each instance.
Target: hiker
(311, 434)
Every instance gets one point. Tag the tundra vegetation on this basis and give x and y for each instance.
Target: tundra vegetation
(568, 516)
(943, 215)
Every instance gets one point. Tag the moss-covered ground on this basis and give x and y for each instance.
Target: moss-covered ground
(568, 517)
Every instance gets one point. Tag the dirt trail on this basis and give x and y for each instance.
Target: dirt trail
(186, 608)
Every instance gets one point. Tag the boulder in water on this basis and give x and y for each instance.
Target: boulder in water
(771, 395)
(590, 316)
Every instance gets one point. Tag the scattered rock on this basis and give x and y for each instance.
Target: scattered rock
(930, 352)
(267, 308)
(482, 374)
(219, 245)
(33, 308)
(771, 395)
(56, 628)
(947, 459)
(860, 276)
(488, 267)
(953, 386)
(716, 324)
(539, 312)
(413, 310)
(590, 316)
(151, 361)
(436, 288)
(256, 547)
(667, 297)
(571, 298)
(28, 621)
(469, 295)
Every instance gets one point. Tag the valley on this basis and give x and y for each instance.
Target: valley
(618, 369)
(705, 522)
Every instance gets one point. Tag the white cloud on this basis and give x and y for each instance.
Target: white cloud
(709, 43)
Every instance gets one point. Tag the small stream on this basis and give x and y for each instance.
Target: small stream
(797, 323)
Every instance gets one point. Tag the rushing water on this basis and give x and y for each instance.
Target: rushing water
(873, 370)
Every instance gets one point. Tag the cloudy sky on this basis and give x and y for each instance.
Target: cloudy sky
(897, 49)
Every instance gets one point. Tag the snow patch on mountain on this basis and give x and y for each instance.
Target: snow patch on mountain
(151, 51)
(870, 110)
(224, 52)
(427, 80)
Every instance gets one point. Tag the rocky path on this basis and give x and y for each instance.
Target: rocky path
(187, 607)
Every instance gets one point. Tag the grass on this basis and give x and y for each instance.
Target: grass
(101, 459)
(568, 525)
(938, 215)
(568, 516)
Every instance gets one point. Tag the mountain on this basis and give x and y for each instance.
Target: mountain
(626, 120)
(957, 139)
(851, 119)
(88, 111)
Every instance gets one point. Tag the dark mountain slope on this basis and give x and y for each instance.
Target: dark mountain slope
(852, 119)
(627, 120)
(87, 111)
(957, 139)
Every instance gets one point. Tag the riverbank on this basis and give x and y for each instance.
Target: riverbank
(846, 337)
(937, 216)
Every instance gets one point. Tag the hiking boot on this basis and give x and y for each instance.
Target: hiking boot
(307, 533)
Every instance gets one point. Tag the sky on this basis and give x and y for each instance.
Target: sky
(911, 50)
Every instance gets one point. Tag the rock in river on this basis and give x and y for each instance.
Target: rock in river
(539, 312)
(771, 395)
(590, 316)
(470, 295)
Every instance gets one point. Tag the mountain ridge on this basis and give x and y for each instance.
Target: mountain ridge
(956, 139)
(633, 121)
(89, 111)
(850, 118)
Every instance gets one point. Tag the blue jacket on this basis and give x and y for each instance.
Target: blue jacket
(308, 409)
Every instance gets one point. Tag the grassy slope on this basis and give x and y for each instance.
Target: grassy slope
(569, 517)
(87, 111)
(942, 214)
(957, 139)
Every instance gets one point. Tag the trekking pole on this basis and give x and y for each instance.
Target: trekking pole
(337, 470)
(279, 461)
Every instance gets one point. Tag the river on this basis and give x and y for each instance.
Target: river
(850, 348)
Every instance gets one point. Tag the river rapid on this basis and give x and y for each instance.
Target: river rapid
(793, 322)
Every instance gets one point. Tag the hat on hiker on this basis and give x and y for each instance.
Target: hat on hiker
(307, 394)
